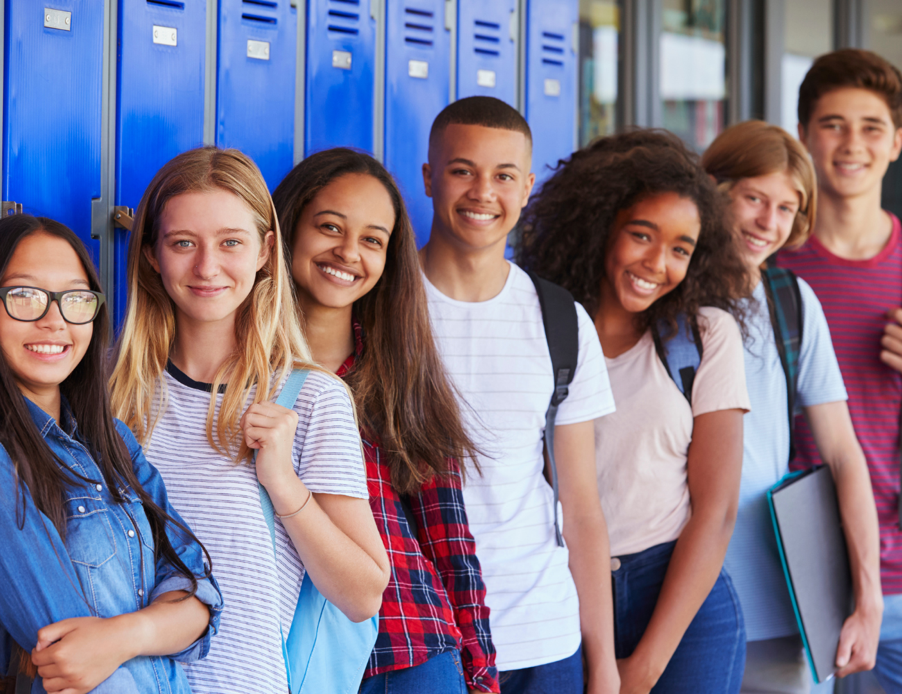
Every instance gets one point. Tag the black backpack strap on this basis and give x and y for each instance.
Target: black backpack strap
(784, 303)
(681, 354)
(562, 334)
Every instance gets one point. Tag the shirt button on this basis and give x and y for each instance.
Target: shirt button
(81, 509)
(141, 592)
(131, 533)
(99, 487)
(615, 563)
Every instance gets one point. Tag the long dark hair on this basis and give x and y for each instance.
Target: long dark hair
(402, 393)
(37, 468)
(566, 227)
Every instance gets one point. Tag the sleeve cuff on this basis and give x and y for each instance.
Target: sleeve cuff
(209, 594)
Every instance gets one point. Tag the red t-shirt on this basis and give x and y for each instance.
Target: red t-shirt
(856, 294)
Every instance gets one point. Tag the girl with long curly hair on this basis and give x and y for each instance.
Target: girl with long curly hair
(633, 228)
(772, 192)
(353, 257)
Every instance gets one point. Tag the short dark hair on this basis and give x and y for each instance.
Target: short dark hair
(851, 67)
(479, 110)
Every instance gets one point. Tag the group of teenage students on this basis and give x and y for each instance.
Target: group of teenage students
(410, 478)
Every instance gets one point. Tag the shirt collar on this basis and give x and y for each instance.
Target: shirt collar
(45, 423)
(348, 364)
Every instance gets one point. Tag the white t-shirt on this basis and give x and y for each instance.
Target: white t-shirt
(497, 356)
(221, 501)
(752, 558)
(642, 449)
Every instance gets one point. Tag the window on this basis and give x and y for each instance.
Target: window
(693, 70)
(599, 30)
(808, 30)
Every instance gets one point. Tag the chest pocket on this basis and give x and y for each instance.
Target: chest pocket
(89, 534)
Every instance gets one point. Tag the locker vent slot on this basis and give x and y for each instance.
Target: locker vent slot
(177, 4)
(553, 48)
(262, 3)
(487, 37)
(419, 26)
(261, 19)
(342, 17)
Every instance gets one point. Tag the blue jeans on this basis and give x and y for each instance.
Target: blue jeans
(443, 674)
(711, 656)
(560, 677)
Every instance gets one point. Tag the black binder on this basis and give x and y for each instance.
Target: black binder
(805, 513)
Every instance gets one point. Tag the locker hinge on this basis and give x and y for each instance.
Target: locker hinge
(450, 19)
(123, 217)
(10, 208)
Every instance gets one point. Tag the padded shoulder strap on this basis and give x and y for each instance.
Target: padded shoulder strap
(681, 354)
(562, 334)
(784, 304)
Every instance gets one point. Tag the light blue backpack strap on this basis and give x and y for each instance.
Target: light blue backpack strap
(287, 398)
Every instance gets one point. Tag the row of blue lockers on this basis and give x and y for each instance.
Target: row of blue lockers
(98, 94)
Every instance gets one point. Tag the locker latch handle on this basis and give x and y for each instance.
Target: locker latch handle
(10, 208)
(123, 217)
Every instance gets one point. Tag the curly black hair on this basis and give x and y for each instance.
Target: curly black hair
(565, 229)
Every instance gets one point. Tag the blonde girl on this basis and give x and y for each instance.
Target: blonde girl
(210, 336)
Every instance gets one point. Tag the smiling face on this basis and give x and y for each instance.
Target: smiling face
(479, 180)
(208, 252)
(41, 354)
(341, 241)
(852, 140)
(649, 250)
(763, 210)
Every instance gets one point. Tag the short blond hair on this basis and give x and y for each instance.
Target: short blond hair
(755, 148)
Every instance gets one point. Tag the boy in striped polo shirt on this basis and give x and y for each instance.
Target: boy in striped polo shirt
(850, 120)
(550, 604)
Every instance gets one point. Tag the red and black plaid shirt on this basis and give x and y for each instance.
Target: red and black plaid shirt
(435, 599)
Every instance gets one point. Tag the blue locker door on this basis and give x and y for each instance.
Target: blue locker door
(255, 82)
(417, 87)
(160, 102)
(339, 86)
(52, 110)
(486, 49)
(551, 81)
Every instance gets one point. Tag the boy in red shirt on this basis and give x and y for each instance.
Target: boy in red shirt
(850, 120)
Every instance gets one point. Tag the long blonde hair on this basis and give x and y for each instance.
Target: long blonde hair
(755, 148)
(268, 332)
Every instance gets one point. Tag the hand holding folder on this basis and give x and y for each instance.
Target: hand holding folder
(815, 560)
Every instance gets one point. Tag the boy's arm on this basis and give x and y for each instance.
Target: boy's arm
(891, 342)
(586, 535)
(834, 434)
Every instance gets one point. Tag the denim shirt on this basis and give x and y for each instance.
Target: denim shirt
(104, 568)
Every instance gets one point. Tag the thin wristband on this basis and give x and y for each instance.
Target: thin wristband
(290, 515)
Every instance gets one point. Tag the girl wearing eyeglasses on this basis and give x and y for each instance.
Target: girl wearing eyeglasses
(104, 586)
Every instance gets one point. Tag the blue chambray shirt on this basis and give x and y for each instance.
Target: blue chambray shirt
(106, 566)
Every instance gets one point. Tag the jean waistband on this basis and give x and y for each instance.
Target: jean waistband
(652, 555)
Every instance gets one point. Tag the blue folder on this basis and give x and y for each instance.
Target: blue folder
(805, 514)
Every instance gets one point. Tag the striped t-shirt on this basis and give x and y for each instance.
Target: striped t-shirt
(856, 294)
(497, 356)
(221, 501)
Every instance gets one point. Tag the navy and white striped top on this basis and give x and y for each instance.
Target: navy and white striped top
(220, 500)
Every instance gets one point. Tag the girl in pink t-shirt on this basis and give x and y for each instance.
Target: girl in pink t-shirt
(633, 227)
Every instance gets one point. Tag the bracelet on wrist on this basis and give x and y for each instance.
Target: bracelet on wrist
(290, 515)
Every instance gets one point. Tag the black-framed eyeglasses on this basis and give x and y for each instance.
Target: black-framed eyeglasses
(77, 306)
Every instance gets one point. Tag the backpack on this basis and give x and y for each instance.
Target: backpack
(324, 651)
(562, 334)
(682, 354)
